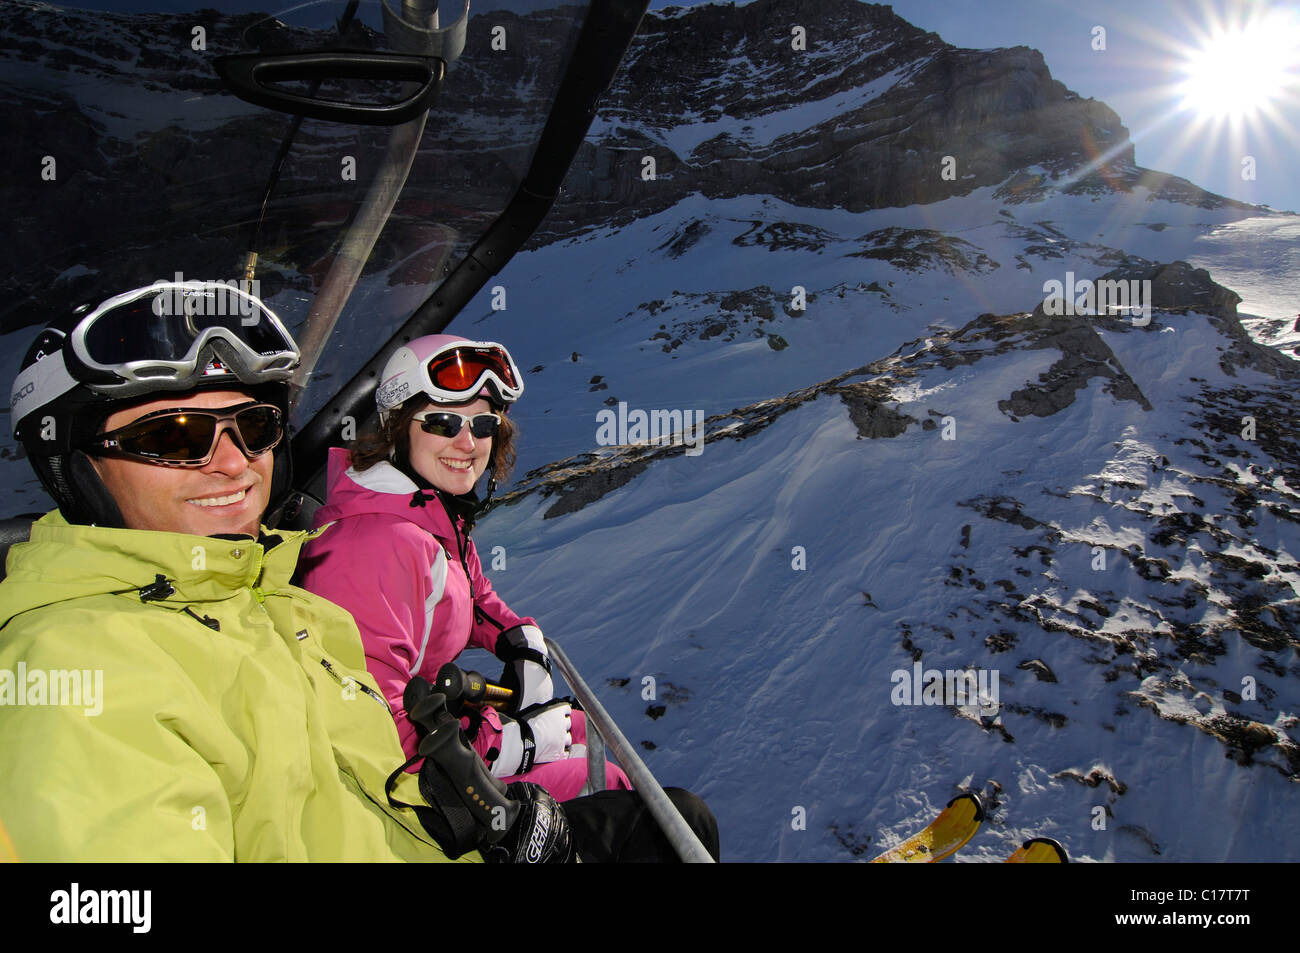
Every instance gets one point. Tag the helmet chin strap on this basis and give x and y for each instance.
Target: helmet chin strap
(467, 504)
(92, 504)
(491, 488)
(281, 484)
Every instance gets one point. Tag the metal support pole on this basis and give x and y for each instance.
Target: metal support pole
(595, 757)
(672, 823)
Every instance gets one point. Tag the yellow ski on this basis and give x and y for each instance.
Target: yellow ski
(1039, 850)
(955, 825)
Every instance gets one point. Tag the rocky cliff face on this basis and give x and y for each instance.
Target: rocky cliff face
(820, 103)
(1177, 291)
(873, 113)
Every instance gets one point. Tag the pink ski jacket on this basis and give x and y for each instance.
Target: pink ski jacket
(412, 579)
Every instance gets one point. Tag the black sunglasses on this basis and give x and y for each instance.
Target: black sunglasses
(187, 436)
(443, 423)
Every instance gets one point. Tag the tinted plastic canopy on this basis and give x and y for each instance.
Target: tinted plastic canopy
(146, 140)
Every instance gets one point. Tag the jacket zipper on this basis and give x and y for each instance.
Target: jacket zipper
(461, 542)
(361, 685)
(464, 564)
(481, 616)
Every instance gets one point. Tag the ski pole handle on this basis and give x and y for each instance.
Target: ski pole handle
(464, 687)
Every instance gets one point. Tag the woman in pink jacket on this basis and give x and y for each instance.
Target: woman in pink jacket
(399, 558)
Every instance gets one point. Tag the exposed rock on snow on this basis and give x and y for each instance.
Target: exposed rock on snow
(1201, 585)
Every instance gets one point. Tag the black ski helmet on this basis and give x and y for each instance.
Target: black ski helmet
(134, 347)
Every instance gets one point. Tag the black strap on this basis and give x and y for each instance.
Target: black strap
(507, 651)
(449, 823)
(512, 653)
(475, 717)
(468, 808)
(530, 747)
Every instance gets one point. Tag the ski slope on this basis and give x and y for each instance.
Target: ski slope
(776, 680)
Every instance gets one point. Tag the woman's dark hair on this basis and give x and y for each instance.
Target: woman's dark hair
(392, 440)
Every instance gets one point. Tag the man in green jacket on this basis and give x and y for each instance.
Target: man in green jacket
(166, 693)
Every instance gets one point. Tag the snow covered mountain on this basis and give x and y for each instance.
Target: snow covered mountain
(1101, 530)
(922, 466)
(909, 455)
(842, 104)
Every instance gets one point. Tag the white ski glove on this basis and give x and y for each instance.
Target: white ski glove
(528, 667)
(541, 734)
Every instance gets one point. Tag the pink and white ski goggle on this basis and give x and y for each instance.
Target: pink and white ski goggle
(455, 373)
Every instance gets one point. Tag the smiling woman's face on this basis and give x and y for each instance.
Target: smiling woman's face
(452, 464)
(227, 495)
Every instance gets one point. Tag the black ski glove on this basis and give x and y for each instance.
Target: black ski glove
(467, 807)
(540, 835)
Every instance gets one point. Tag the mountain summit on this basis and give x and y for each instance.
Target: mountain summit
(841, 104)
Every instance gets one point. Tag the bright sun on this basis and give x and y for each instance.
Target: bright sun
(1242, 70)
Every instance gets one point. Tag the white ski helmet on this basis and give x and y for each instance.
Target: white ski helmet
(448, 369)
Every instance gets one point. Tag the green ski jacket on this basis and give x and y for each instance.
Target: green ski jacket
(175, 697)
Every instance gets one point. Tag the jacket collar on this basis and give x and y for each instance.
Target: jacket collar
(383, 488)
(64, 561)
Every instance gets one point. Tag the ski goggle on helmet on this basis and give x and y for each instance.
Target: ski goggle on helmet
(167, 336)
(448, 370)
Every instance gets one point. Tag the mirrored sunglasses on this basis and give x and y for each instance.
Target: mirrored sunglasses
(187, 437)
(443, 423)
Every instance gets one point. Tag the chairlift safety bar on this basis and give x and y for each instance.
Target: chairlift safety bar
(670, 820)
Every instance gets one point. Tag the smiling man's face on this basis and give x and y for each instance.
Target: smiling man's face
(227, 495)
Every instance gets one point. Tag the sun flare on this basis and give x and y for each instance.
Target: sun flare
(1243, 70)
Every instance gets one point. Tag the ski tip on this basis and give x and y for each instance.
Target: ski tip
(974, 799)
(955, 825)
(1040, 850)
